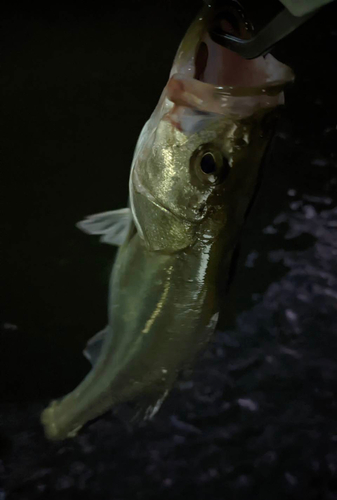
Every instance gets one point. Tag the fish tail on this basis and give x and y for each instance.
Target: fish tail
(63, 418)
(50, 421)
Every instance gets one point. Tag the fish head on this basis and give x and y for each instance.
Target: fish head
(197, 159)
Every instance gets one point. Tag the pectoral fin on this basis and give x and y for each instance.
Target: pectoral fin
(113, 226)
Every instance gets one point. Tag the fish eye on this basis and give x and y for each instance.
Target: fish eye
(210, 165)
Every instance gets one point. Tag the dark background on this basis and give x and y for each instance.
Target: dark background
(257, 417)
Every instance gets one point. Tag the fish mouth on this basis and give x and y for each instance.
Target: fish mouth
(210, 78)
(208, 84)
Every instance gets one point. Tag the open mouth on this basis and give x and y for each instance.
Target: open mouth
(210, 78)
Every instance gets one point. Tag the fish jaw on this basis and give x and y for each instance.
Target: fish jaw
(200, 58)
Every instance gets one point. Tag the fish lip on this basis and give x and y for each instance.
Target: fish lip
(188, 92)
(272, 88)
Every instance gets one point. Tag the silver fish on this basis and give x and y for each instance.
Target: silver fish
(192, 180)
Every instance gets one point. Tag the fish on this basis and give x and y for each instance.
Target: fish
(192, 181)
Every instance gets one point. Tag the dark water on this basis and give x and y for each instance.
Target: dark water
(258, 417)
